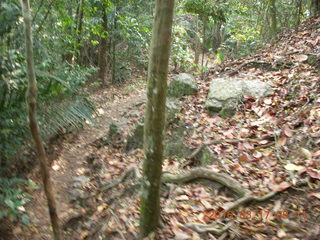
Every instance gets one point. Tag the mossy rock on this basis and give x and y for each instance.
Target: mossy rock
(182, 84)
(205, 158)
(113, 130)
(173, 144)
(135, 140)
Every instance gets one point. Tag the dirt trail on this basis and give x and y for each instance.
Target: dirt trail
(70, 163)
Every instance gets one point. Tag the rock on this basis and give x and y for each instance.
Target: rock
(113, 130)
(173, 143)
(80, 181)
(135, 139)
(225, 94)
(205, 158)
(77, 194)
(182, 84)
(173, 106)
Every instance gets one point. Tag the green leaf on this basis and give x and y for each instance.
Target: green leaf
(25, 219)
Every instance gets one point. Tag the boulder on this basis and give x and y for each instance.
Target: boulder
(205, 158)
(135, 139)
(182, 84)
(173, 143)
(173, 106)
(225, 94)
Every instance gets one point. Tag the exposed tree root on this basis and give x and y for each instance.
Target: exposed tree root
(206, 228)
(246, 196)
(134, 170)
(198, 173)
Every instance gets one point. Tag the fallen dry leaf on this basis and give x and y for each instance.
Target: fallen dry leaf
(279, 187)
(293, 167)
(317, 195)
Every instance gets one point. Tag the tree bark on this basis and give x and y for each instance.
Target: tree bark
(155, 116)
(79, 30)
(31, 100)
(299, 12)
(273, 18)
(103, 48)
(217, 38)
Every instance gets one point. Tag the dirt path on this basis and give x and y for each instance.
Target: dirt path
(71, 162)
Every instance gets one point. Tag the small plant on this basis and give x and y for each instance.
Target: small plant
(13, 199)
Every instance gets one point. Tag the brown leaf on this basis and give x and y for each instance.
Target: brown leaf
(181, 236)
(301, 58)
(313, 173)
(244, 158)
(287, 131)
(317, 195)
(182, 198)
(282, 141)
(280, 187)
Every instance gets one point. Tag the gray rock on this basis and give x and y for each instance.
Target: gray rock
(173, 143)
(173, 106)
(77, 194)
(116, 128)
(135, 139)
(205, 158)
(225, 94)
(80, 181)
(182, 84)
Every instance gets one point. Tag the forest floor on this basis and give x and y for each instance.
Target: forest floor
(285, 159)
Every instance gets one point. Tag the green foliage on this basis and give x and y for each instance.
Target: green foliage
(207, 8)
(13, 199)
(181, 54)
(57, 91)
(9, 13)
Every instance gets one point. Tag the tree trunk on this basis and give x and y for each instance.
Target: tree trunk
(197, 49)
(103, 48)
(204, 31)
(155, 116)
(217, 38)
(273, 18)
(79, 30)
(315, 8)
(299, 12)
(34, 128)
(114, 42)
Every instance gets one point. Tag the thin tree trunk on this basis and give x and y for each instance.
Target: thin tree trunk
(299, 13)
(273, 18)
(217, 38)
(155, 116)
(315, 8)
(114, 46)
(79, 30)
(44, 18)
(34, 128)
(204, 40)
(103, 62)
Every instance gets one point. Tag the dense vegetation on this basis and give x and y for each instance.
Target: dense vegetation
(82, 45)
